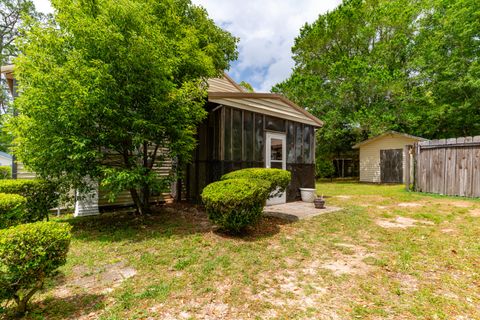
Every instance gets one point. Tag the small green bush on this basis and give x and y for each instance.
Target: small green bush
(29, 253)
(41, 196)
(234, 204)
(12, 209)
(5, 172)
(278, 178)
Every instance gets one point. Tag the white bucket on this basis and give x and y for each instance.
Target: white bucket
(308, 194)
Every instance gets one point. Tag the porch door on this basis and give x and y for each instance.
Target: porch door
(276, 157)
(391, 166)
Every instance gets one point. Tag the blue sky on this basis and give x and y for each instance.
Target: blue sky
(266, 29)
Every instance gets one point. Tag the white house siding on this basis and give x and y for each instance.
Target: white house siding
(5, 161)
(370, 155)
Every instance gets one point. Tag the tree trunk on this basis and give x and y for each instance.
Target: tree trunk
(142, 208)
(146, 198)
(22, 303)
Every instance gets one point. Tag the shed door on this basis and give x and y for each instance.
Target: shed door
(391, 166)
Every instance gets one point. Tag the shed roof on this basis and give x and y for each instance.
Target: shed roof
(387, 133)
(6, 155)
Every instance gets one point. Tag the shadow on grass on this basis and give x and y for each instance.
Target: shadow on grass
(265, 228)
(178, 220)
(71, 307)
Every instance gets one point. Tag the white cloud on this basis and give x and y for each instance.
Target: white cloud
(43, 6)
(266, 29)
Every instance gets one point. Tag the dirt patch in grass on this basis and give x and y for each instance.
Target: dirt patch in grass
(474, 212)
(102, 280)
(410, 204)
(401, 223)
(287, 289)
(343, 197)
(349, 263)
(461, 204)
(408, 283)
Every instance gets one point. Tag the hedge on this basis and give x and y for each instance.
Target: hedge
(5, 172)
(234, 204)
(278, 178)
(12, 209)
(41, 196)
(30, 253)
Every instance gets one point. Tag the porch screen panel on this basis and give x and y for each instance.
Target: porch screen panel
(248, 136)
(275, 124)
(237, 135)
(227, 124)
(307, 145)
(259, 141)
(298, 142)
(290, 142)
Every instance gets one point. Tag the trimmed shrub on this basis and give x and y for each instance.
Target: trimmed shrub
(5, 172)
(278, 178)
(12, 209)
(234, 204)
(29, 253)
(41, 196)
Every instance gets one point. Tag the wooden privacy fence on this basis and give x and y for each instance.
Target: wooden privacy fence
(447, 166)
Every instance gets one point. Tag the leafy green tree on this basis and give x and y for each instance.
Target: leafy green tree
(111, 88)
(247, 86)
(375, 65)
(447, 68)
(11, 14)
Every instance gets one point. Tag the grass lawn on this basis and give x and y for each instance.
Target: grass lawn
(389, 254)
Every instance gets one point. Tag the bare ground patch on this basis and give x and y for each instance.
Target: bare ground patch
(474, 212)
(408, 283)
(410, 204)
(401, 223)
(349, 264)
(101, 280)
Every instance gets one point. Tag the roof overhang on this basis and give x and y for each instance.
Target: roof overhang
(265, 103)
(388, 133)
(7, 71)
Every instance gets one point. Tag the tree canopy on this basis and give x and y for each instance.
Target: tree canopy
(11, 17)
(375, 65)
(111, 88)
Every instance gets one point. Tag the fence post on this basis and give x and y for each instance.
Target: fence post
(406, 157)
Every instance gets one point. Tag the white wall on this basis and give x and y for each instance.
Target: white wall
(4, 161)
(370, 155)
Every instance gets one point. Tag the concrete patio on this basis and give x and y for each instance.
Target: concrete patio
(294, 211)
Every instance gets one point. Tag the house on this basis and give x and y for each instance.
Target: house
(245, 129)
(382, 157)
(5, 159)
(242, 130)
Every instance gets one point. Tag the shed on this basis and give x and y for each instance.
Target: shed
(382, 159)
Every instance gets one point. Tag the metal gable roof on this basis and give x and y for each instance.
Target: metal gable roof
(388, 133)
(265, 103)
